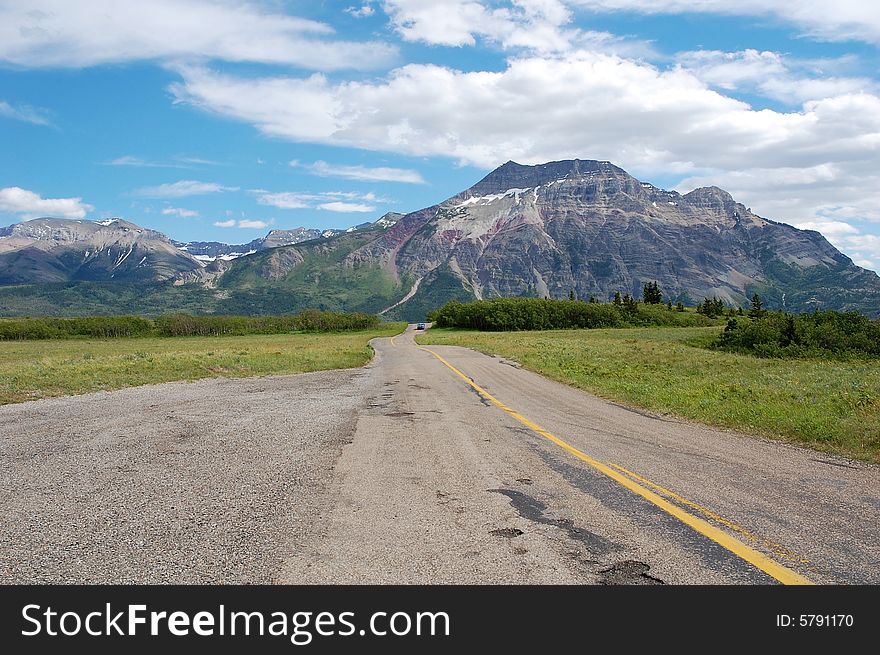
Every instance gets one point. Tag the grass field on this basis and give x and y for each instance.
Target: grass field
(831, 406)
(42, 369)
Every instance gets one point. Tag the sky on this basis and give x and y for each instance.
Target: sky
(222, 119)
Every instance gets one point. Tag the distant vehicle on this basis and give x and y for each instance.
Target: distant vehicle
(420, 326)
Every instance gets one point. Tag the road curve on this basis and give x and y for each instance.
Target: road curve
(426, 466)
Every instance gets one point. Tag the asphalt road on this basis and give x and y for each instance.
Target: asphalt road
(440, 466)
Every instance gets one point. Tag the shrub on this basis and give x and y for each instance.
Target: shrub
(821, 334)
(506, 314)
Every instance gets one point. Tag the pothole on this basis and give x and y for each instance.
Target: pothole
(628, 572)
(506, 533)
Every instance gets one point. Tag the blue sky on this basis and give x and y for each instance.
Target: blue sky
(220, 120)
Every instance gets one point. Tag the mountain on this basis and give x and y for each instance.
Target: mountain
(578, 225)
(211, 250)
(591, 228)
(62, 250)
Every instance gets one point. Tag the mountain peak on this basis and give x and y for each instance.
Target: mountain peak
(512, 175)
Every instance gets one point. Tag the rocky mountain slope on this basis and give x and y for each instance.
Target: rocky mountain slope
(591, 228)
(62, 250)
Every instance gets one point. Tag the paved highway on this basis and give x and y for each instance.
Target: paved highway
(430, 465)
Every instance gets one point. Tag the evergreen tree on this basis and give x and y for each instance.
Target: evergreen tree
(757, 309)
(679, 307)
(617, 299)
(571, 295)
(651, 293)
(669, 305)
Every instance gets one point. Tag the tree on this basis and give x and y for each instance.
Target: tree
(593, 299)
(651, 293)
(617, 298)
(757, 309)
(679, 307)
(669, 305)
(571, 295)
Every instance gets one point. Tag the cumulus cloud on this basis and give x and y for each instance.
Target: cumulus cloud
(178, 211)
(25, 113)
(538, 25)
(540, 109)
(230, 223)
(15, 200)
(60, 33)
(362, 173)
(182, 189)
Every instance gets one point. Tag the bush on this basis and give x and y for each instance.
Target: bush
(60, 328)
(506, 314)
(822, 334)
(179, 325)
(310, 320)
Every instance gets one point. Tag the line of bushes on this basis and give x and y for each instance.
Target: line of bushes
(506, 314)
(61, 328)
(310, 320)
(177, 325)
(821, 334)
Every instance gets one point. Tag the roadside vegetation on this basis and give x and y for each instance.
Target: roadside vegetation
(178, 325)
(32, 369)
(513, 314)
(829, 404)
(819, 335)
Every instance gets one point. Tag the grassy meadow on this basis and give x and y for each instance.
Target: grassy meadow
(828, 405)
(59, 367)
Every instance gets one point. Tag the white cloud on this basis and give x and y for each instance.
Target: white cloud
(229, 223)
(15, 200)
(829, 228)
(25, 113)
(61, 33)
(287, 200)
(346, 207)
(248, 224)
(540, 109)
(537, 25)
(380, 174)
(361, 12)
(329, 200)
(179, 162)
(842, 20)
(182, 189)
(178, 211)
(770, 74)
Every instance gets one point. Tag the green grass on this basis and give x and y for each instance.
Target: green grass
(43, 369)
(832, 406)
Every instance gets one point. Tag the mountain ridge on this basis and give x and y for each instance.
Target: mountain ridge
(581, 226)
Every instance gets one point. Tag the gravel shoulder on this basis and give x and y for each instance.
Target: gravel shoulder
(216, 481)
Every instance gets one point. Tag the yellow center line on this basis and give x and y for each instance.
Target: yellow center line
(777, 549)
(755, 558)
